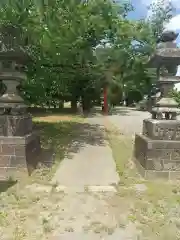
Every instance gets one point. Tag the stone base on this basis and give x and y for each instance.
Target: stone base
(19, 154)
(152, 175)
(157, 158)
(15, 125)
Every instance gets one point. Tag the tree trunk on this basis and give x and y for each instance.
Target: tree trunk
(105, 100)
(86, 105)
(54, 105)
(61, 105)
(74, 105)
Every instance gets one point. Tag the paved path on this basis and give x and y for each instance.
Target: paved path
(128, 120)
(93, 164)
(96, 213)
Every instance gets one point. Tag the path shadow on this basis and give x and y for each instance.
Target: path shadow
(97, 111)
(121, 111)
(42, 112)
(5, 185)
(68, 137)
(37, 111)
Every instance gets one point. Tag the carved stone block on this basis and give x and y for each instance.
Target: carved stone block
(162, 129)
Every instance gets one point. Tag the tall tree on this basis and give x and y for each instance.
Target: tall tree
(62, 36)
(160, 13)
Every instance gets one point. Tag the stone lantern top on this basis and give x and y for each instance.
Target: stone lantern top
(11, 45)
(168, 36)
(166, 52)
(13, 58)
(166, 60)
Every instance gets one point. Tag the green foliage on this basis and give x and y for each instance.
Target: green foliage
(176, 95)
(161, 13)
(78, 46)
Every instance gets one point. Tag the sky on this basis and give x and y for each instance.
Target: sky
(141, 11)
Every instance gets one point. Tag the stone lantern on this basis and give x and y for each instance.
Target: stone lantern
(157, 149)
(19, 145)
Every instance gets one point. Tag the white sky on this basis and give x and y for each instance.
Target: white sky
(174, 23)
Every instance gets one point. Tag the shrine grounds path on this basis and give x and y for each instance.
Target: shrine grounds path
(93, 164)
(128, 120)
(93, 190)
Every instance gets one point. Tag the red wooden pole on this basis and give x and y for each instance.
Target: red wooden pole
(105, 100)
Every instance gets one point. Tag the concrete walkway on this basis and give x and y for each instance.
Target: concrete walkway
(98, 212)
(92, 164)
(88, 213)
(129, 121)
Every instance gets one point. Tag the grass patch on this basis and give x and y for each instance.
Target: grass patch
(122, 147)
(156, 210)
(57, 132)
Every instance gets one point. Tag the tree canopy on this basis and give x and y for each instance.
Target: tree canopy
(78, 46)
